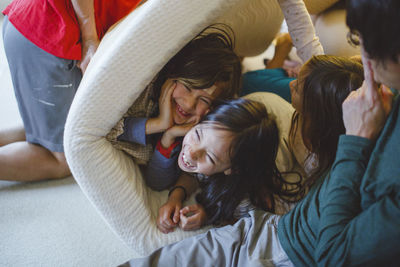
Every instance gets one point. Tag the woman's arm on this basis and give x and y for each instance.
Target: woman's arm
(351, 232)
(349, 235)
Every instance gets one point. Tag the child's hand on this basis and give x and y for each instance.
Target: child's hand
(192, 217)
(168, 215)
(165, 104)
(165, 119)
(169, 136)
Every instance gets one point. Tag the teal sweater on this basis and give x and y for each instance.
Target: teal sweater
(351, 217)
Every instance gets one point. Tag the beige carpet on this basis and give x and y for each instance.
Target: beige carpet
(49, 223)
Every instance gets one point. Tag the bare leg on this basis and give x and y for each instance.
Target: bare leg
(282, 50)
(22, 161)
(12, 135)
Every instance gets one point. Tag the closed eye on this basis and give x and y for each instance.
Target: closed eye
(197, 134)
(210, 158)
(205, 100)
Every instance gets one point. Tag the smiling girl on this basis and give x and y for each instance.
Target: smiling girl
(233, 154)
(178, 97)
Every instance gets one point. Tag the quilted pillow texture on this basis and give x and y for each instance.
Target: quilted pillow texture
(126, 61)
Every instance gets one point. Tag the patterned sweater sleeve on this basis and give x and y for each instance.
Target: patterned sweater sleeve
(301, 29)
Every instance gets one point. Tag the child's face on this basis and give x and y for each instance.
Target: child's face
(296, 90)
(205, 150)
(190, 105)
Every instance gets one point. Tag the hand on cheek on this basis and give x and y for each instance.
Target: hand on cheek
(165, 103)
(366, 109)
(165, 118)
(175, 131)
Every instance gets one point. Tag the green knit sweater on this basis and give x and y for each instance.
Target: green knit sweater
(351, 217)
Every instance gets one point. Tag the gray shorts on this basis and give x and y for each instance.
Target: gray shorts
(44, 86)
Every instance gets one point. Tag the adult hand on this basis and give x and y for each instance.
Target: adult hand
(192, 217)
(168, 215)
(89, 48)
(366, 109)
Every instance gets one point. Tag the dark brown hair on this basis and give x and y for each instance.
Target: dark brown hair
(378, 23)
(253, 151)
(328, 81)
(206, 60)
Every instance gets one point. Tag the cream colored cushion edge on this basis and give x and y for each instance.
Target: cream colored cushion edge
(126, 61)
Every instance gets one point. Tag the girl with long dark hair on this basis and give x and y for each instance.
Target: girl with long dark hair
(233, 154)
(323, 84)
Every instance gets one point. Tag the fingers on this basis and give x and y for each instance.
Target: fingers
(171, 89)
(166, 225)
(164, 221)
(180, 130)
(83, 65)
(190, 223)
(166, 92)
(188, 209)
(164, 228)
(369, 87)
(187, 223)
(167, 89)
(165, 104)
(176, 215)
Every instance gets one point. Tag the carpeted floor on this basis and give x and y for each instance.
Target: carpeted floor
(49, 223)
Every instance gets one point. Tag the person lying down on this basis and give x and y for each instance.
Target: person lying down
(231, 154)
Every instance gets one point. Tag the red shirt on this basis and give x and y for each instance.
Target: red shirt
(53, 26)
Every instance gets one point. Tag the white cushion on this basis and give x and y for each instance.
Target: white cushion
(127, 59)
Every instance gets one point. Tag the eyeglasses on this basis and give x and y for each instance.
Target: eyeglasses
(353, 38)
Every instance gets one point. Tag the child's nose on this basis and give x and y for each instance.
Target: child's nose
(194, 154)
(190, 103)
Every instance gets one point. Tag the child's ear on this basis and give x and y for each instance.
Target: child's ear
(228, 171)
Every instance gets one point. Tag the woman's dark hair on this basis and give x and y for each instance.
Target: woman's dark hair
(378, 23)
(253, 151)
(328, 81)
(206, 60)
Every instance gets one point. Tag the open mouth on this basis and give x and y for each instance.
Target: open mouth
(181, 111)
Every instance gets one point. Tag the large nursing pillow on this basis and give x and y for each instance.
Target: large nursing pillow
(127, 59)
